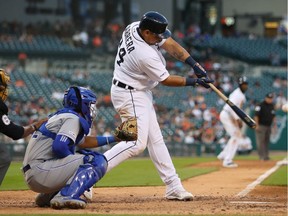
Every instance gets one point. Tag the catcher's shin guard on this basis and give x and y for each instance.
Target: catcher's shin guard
(87, 175)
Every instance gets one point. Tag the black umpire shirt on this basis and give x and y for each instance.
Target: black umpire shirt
(265, 113)
(7, 127)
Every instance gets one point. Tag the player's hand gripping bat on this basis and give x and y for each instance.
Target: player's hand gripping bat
(246, 118)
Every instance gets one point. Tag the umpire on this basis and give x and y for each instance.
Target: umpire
(264, 117)
(8, 128)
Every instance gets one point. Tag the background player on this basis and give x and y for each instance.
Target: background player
(51, 165)
(233, 124)
(8, 128)
(139, 67)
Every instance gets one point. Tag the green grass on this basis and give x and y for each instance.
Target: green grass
(133, 172)
(14, 179)
(141, 172)
(277, 157)
(278, 178)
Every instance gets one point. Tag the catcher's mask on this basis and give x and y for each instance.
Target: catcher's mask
(81, 100)
(4, 82)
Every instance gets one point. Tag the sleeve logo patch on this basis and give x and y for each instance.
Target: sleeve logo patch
(5, 120)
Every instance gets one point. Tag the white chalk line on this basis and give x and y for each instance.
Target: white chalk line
(250, 202)
(251, 186)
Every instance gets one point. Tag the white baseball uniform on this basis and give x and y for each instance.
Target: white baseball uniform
(139, 67)
(229, 120)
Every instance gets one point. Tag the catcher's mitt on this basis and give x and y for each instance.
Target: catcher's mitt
(127, 130)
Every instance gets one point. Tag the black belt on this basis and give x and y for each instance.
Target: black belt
(26, 168)
(122, 85)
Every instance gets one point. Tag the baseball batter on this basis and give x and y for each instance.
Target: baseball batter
(9, 128)
(139, 67)
(51, 165)
(233, 124)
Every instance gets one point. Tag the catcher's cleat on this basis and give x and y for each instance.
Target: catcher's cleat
(181, 195)
(43, 199)
(60, 202)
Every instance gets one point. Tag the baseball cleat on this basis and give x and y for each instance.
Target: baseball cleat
(181, 195)
(43, 199)
(60, 202)
(230, 165)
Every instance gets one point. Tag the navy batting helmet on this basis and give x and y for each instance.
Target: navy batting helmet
(156, 23)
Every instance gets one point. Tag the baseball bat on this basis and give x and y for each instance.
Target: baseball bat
(246, 118)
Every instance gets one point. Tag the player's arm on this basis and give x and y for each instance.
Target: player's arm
(10, 129)
(126, 131)
(178, 52)
(175, 49)
(33, 127)
(93, 142)
(63, 146)
(174, 80)
(15, 131)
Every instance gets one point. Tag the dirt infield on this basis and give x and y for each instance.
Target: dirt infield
(215, 193)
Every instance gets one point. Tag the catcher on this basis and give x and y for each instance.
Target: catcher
(57, 162)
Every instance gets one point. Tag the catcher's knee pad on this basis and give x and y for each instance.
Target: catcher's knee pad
(98, 161)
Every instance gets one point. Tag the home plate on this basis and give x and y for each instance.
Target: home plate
(249, 202)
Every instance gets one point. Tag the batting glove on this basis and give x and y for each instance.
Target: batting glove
(203, 82)
(199, 81)
(199, 71)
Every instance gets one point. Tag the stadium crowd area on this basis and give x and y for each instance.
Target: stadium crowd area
(186, 115)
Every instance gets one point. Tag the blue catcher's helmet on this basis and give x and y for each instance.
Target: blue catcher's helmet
(156, 23)
(81, 100)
